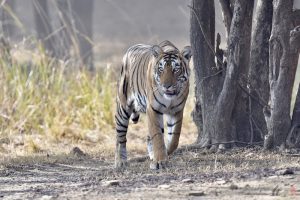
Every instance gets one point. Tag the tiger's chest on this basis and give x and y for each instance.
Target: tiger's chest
(158, 102)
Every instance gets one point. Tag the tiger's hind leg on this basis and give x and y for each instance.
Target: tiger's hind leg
(122, 120)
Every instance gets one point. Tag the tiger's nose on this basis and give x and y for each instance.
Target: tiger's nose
(167, 85)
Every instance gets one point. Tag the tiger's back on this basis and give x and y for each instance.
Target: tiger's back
(132, 85)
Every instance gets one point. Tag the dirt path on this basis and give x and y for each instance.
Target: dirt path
(238, 174)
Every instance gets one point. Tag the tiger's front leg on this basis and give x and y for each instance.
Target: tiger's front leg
(156, 135)
(174, 123)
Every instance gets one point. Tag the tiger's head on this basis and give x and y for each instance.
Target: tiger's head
(171, 71)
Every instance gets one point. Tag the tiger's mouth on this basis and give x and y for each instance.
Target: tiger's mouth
(170, 92)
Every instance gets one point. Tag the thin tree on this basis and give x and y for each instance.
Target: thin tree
(7, 20)
(43, 26)
(83, 22)
(76, 31)
(258, 85)
(284, 49)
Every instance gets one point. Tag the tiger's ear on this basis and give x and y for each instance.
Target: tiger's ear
(156, 51)
(187, 52)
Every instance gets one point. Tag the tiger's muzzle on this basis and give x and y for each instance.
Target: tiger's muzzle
(169, 90)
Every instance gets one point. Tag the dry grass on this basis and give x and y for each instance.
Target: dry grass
(44, 101)
(48, 107)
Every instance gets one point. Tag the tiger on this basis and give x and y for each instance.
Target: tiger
(154, 80)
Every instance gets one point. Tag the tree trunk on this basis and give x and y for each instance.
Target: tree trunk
(43, 26)
(214, 96)
(241, 122)
(203, 58)
(284, 53)
(66, 32)
(227, 14)
(241, 126)
(83, 21)
(293, 139)
(259, 68)
(7, 21)
(296, 111)
(76, 20)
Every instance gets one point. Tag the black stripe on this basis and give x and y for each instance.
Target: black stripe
(121, 131)
(123, 126)
(170, 133)
(140, 100)
(171, 125)
(132, 80)
(137, 79)
(122, 135)
(126, 113)
(177, 112)
(126, 90)
(158, 101)
(168, 56)
(121, 115)
(138, 75)
(118, 121)
(125, 87)
(157, 112)
(121, 142)
(163, 130)
(183, 100)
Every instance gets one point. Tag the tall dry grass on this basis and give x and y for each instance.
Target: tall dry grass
(48, 99)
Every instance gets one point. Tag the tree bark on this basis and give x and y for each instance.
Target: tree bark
(284, 53)
(43, 26)
(241, 122)
(241, 126)
(296, 111)
(203, 17)
(259, 67)
(214, 96)
(293, 138)
(227, 14)
(296, 17)
(236, 42)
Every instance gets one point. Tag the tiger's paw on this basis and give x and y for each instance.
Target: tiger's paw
(121, 164)
(156, 165)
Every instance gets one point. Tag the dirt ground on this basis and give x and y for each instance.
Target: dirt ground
(247, 173)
